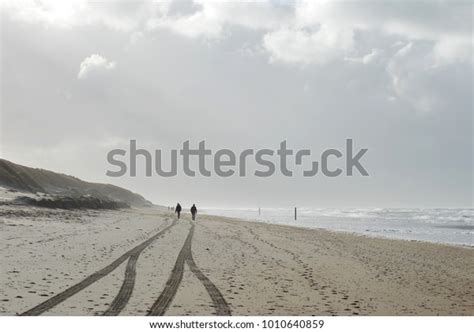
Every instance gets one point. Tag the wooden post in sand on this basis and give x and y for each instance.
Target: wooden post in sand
(259, 211)
(295, 213)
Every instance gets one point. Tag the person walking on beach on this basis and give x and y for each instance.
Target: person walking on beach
(178, 210)
(194, 210)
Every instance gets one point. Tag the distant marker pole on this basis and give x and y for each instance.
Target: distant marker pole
(295, 213)
(259, 211)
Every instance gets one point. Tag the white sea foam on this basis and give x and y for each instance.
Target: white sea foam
(451, 226)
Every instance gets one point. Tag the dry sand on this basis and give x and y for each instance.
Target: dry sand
(224, 266)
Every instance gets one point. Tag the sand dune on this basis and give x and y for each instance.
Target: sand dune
(143, 261)
(65, 191)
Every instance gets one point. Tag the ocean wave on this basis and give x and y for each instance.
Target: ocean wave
(435, 225)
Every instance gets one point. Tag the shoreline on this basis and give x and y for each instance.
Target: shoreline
(432, 225)
(467, 246)
(393, 264)
(257, 268)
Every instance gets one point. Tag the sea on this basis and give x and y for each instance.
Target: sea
(439, 225)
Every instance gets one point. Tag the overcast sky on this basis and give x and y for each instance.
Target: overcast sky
(79, 79)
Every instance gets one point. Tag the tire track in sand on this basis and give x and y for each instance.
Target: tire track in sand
(172, 284)
(164, 300)
(220, 304)
(121, 300)
(64, 295)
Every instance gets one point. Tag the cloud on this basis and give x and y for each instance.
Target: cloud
(94, 63)
(414, 77)
(448, 50)
(306, 46)
(398, 81)
(443, 24)
(369, 58)
(309, 33)
(316, 31)
(204, 23)
(209, 19)
(127, 16)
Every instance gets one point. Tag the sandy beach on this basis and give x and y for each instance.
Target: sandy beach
(144, 261)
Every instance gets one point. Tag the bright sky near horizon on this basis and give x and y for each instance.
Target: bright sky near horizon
(81, 78)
